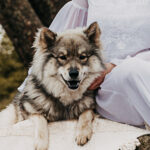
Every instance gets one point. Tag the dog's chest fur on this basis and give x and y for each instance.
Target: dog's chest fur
(36, 100)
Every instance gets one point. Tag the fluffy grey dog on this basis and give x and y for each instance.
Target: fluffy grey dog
(63, 67)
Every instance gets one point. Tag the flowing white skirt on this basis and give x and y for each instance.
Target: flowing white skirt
(125, 93)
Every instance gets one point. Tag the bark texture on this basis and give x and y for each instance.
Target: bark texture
(20, 22)
(21, 18)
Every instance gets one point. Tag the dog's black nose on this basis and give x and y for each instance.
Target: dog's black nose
(73, 73)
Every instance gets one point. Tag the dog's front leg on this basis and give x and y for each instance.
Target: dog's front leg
(41, 135)
(84, 127)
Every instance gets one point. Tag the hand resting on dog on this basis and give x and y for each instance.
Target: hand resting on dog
(98, 81)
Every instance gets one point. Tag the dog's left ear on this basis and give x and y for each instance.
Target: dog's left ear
(93, 33)
(46, 38)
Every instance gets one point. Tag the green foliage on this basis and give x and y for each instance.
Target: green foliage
(12, 72)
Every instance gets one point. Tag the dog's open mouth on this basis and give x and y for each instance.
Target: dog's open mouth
(72, 84)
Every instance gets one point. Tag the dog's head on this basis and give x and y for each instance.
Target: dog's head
(71, 56)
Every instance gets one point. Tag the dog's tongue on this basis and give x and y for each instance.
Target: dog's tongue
(73, 84)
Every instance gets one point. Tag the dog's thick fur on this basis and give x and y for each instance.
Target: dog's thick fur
(51, 93)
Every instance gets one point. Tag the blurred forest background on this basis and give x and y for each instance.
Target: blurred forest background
(19, 20)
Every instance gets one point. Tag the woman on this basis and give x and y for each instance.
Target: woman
(125, 85)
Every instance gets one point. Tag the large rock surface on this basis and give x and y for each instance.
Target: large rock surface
(107, 135)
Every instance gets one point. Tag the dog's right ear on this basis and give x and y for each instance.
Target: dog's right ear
(45, 38)
(93, 33)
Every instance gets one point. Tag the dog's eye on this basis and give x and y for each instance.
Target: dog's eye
(63, 57)
(82, 57)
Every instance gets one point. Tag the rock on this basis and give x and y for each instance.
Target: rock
(145, 142)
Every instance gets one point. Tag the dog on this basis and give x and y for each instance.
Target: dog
(63, 67)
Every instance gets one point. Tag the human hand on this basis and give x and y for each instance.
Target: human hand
(98, 81)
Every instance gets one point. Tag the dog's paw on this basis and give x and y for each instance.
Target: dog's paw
(83, 136)
(41, 144)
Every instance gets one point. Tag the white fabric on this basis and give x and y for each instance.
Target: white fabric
(73, 14)
(125, 92)
(125, 25)
(107, 135)
(21, 87)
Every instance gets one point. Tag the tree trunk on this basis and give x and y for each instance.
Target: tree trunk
(47, 9)
(20, 22)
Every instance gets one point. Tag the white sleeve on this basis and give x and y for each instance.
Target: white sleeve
(72, 15)
(21, 87)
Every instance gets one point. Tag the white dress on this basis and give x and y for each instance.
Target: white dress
(125, 93)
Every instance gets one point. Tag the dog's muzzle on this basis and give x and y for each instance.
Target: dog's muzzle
(73, 83)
